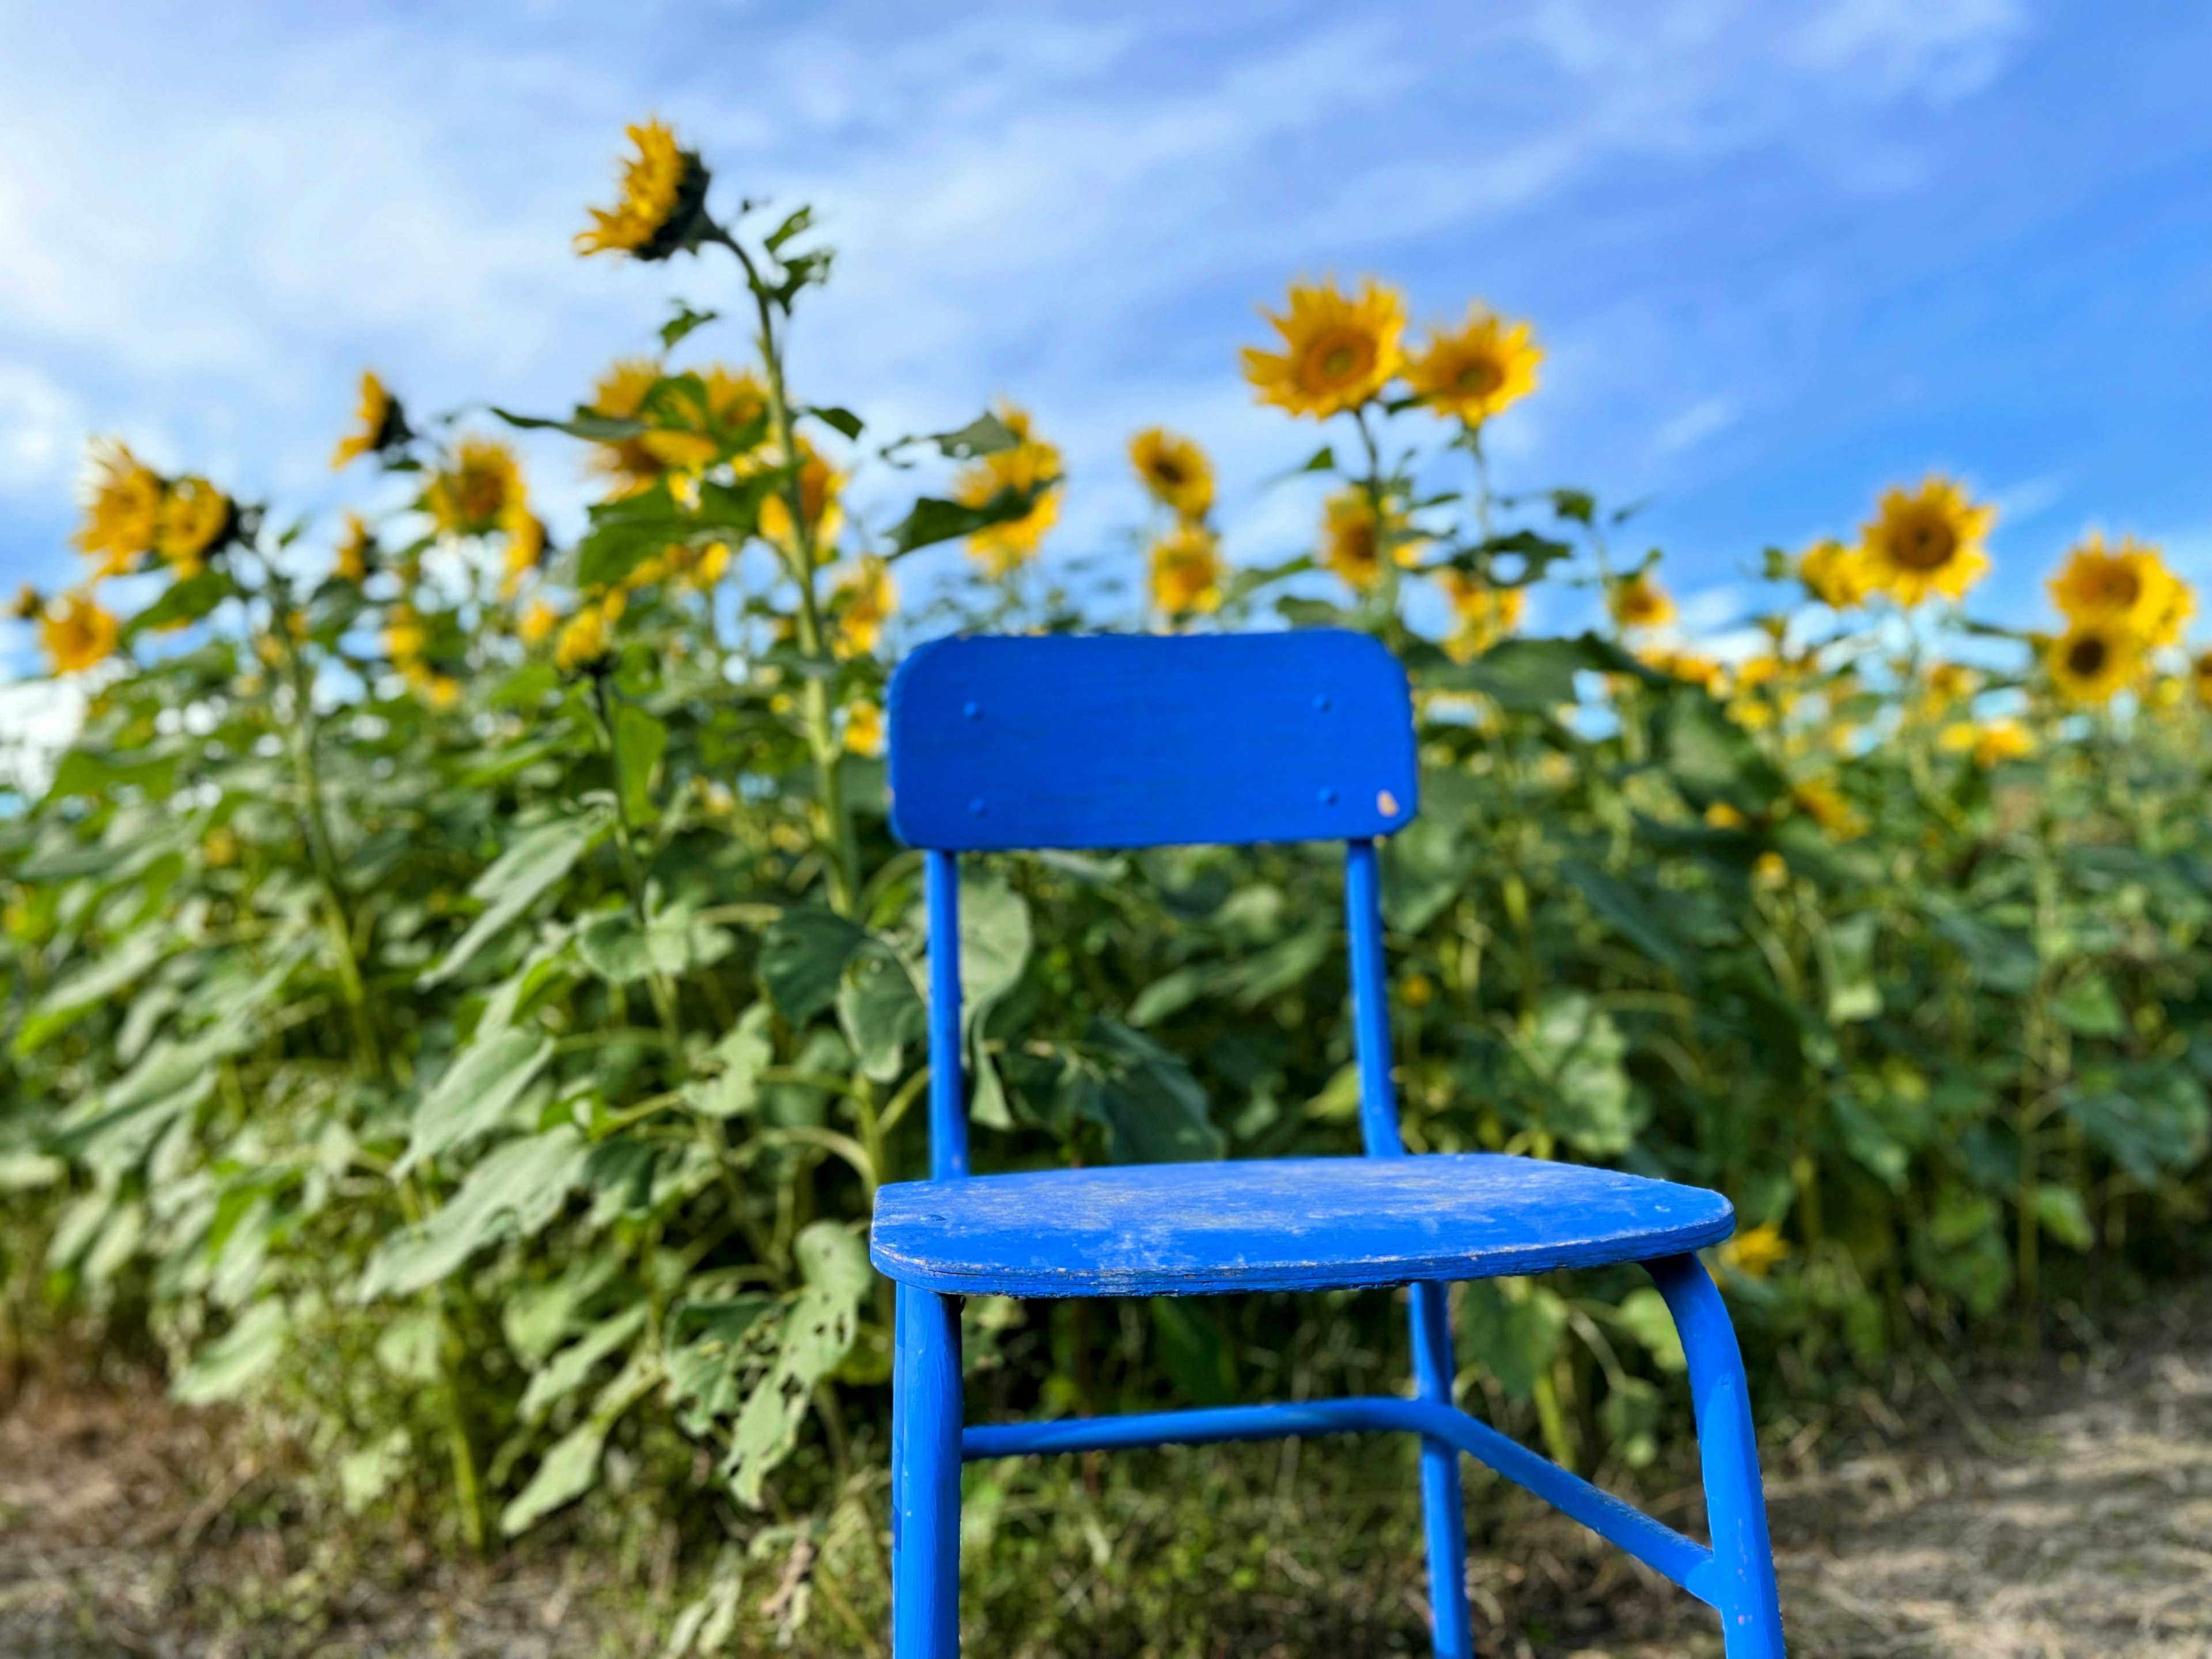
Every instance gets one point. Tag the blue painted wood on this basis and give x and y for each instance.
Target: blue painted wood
(948, 1109)
(1658, 1547)
(926, 1478)
(1444, 1511)
(1136, 740)
(1371, 1007)
(1285, 1223)
(1735, 1504)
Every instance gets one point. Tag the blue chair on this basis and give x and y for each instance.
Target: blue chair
(1002, 742)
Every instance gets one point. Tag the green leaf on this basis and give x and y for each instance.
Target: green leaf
(1644, 1314)
(1153, 1109)
(802, 955)
(514, 1193)
(565, 1474)
(567, 1372)
(881, 1013)
(409, 1347)
(2060, 1210)
(613, 946)
(796, 224)
(1624, 909)
(1532, 677)
(1629, 1414)
(1516, 1338)
(986, 435)
(1576, 1051)
(233, 1362)
(844, 420)
(743, 1055)
(2088, 1006)
(1845, 950)
(682, 323)
(702, 1372)
(91, 986)
(1425, 865)
(474, 1094)
(931, 520)
(816, 1335)
(994, 941)
(184, 600)
(2151, 1120)
(537, 861)
(640, 742)
(1710, 757)
(366, 1475)
(587, 423)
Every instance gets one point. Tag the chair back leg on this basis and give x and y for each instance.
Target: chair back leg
(1728, 1446)
(925, 1421)
(1445, 1520)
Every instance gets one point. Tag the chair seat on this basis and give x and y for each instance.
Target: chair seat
(1278, 1224)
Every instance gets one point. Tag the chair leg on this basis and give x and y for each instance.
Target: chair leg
(1441, 1509)
(926, 1420)
(1736, 1503)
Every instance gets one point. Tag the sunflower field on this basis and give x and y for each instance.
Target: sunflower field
(462, 995)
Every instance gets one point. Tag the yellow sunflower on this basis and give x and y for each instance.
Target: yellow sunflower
(1187, 571)
(1834, 574)
(1990, 746)
(818, 488)
(406, 637)
(2200, 673)
(664, 195)
(356, 554)
(2129, 584)
(1483, 368)
(1822, 802)
(122, 508)
(1338, 350)
(479, 491)
(735, 398)
(1687, 666)
(1175, 470)
(537, 621)
(864, 729)
(76, 633)
(1030, 468)
(1638, 601)
(195, 517)
(587, 637)
(1925, 541)
(525, 549)
(1481, 614)
(864, 597)
(379, 424)
(1756, 1252)
(2092, 660)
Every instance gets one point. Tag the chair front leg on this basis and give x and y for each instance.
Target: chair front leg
(1727, 1445)
(926, 1420)
(1452, 1633)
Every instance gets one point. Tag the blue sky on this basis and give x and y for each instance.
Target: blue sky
(1780, 255)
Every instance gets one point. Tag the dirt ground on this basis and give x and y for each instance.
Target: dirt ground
(2067, 1515)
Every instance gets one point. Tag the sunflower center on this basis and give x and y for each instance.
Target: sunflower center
(2119, 588)
(1478, 377)
(1168, 472)
(482, 493)
(1339, 358)
(2086, 657)
(1924, 543)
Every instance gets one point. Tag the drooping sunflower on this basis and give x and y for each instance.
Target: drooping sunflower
(356, 550)
(664, 199)
(1926, 541)
(479, 491)
(865, 598)
(819, 485)
(1175, 470)
(2129, 584)
(2094, 659)
(1638, 601)
(1030, 470)
(1482, 614)
(1187, 571)
(1478, 370)
(122, 508)
(1834, 574)
(1353, 537)
(196, 518)
(76, 633)
(1339, 350)
(379, 425)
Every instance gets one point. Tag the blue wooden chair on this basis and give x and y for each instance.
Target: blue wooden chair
(999, 743)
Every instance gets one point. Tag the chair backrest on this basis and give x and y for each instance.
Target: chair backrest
(1003, 742)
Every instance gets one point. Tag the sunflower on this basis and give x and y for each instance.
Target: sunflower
(664, 197)
(1481, 614)
(587, 636)
(1482, 369)
(818, 488)
(196, 517)
(1187, 571)
(1926, 541)
(1822, 802)
(865, 598)
(864, 729)
(406, 637)
(1834, 574)
(356, 554)
(526, 549)
(1990, 746)
(618, 394)
(76, 633)
(2200, 672)
(1175, 470)
(478, 491)
(1754, 1253)
(538, 620)
(2092, 660)
(2129, 584)
(1030, 468)
(1338, 350)
(29, 604)
(1687, 667)
(122, 508)
(379, 425)
(1638, 601)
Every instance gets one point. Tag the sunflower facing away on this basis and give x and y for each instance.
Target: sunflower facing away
(864, 597)
(1338, 350)
(1187, 571)
(76, 633)
(2092, 660)
(356, 550)
(1482, 614)
(195, 517)
(687, 440)
(1926, 541)
(664, 193)
(122, 508)
(379, 425)
(1485, 367)
(1030, 468)
(2129, 584)
(1639, 602)
(1175, 470)
(478, 491)
(818, 487)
